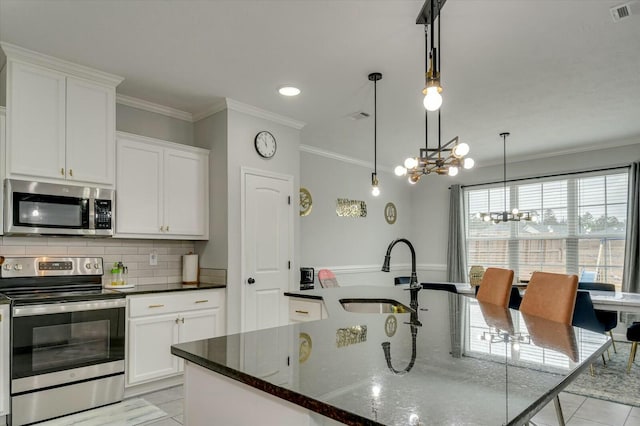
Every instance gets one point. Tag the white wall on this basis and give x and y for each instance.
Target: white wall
(353, 248)
(145, 123)
(430, 196)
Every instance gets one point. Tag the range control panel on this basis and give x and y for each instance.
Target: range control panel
(18, 267)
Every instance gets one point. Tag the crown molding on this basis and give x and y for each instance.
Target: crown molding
(261, 113)
(216, 107)
(153, 107)
(343, 158)
(14, 52)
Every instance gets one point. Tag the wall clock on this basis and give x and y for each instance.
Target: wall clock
(265, 144)
(305, 347)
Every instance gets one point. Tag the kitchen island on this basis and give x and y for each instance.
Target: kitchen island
(452, 361)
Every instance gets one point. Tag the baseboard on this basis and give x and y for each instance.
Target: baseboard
(156, 385)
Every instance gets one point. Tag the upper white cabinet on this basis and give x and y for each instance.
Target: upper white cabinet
(60, 119)
(162, 189)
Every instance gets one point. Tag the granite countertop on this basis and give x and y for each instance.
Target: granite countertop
(4, 300)
(439, 363)
(161, 288)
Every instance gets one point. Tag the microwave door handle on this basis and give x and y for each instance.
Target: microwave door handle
(92, 212)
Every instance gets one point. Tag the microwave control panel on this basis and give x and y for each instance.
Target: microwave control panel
(103, 214)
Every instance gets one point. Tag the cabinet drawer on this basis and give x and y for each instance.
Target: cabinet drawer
(305, 310)
(174, 302)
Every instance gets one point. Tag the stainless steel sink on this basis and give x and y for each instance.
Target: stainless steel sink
(374, 306)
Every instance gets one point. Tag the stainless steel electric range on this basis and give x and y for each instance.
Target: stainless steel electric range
(67, 336)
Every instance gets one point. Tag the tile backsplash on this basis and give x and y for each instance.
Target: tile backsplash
(134, 254)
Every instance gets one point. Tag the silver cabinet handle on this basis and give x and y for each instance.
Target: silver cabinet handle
(182, 320)
(302, 312)
(71, 172)
(177, 320)
(202, 301)
(62, 171)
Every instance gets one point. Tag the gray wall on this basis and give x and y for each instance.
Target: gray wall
(431, 195)
(145, 123)
(353, 248)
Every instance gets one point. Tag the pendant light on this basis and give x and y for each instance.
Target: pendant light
(375, 77)
(432, 97)
(514, 215)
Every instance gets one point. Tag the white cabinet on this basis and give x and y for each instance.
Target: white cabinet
(60, 120)
(162, 189)
(303, 309)
(2, 147)
(155, 322)
(4, 359)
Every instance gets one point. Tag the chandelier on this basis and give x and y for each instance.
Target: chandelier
(514, 215)
(449, 158)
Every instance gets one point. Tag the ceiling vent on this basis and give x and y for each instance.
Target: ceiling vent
(359, 115)
(625, 10)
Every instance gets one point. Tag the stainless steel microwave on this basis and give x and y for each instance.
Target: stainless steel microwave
(57, 209)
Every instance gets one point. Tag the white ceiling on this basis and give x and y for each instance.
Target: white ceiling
(558, 74)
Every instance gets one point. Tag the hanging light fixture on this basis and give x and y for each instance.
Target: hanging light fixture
(449, 158)
(514, 215)
(375, 77)
(432, 97)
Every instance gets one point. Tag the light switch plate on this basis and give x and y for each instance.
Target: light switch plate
(153, 258)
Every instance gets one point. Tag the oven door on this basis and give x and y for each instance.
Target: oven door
(59, 343)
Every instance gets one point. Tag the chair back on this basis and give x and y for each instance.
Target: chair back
(584, 316)
(495, 286)
(582, 285)
(327, 279)
(551, 296)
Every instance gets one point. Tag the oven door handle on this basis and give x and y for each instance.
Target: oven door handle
(65, 307)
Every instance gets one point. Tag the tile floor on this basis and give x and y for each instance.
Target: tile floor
(578, 410)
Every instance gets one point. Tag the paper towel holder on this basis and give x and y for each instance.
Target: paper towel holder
(190, 269)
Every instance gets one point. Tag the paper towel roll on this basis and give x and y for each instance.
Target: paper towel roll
(190, 268)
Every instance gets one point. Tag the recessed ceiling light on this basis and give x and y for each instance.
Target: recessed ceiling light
(289, 91)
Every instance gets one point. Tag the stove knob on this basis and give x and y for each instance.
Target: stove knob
(7, 267)
(17, 267)
(88, 266)
(96, 265)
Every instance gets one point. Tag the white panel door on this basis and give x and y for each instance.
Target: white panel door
(150, 341)
(186, 192)
(267, 250)
(266, 354)
(90, 132)
(35, 121)
(139, 196)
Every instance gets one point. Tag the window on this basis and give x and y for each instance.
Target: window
(580, 227)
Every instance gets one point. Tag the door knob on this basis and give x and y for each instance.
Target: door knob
(251, 281)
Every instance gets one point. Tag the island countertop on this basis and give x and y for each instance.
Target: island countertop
(454, 361)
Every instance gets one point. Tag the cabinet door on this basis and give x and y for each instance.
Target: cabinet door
(202, 324)
(2, 149)
(90, 132)
(4, 359)
(186, 193)
(150, 341)
(35, 121)
(139, 196)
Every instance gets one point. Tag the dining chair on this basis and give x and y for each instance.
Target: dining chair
(609, 319)
(495, 286)
(633, 335)
(551, 296)
(584, 316)
(327, 279)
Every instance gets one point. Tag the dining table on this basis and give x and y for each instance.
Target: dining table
(387, 356)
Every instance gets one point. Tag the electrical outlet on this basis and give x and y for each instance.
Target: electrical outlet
(153, 258)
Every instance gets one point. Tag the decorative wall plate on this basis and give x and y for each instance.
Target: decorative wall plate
(390, 325)
(390, 213)
(305, 347)
(306, 202)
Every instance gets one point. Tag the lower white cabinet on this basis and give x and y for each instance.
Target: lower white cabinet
(157, 321)
(303, 309)
(4, 359)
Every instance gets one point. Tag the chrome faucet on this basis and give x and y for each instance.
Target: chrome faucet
(413, 282)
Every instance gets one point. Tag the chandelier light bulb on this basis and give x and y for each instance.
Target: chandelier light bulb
(413, 179)
(375, 191)
(460, 150)
(486, 218)
(534, 218)
(400, 171)
(468, 163)
(453, 171)
(433, 99)
(515, 212)
(410, 163)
